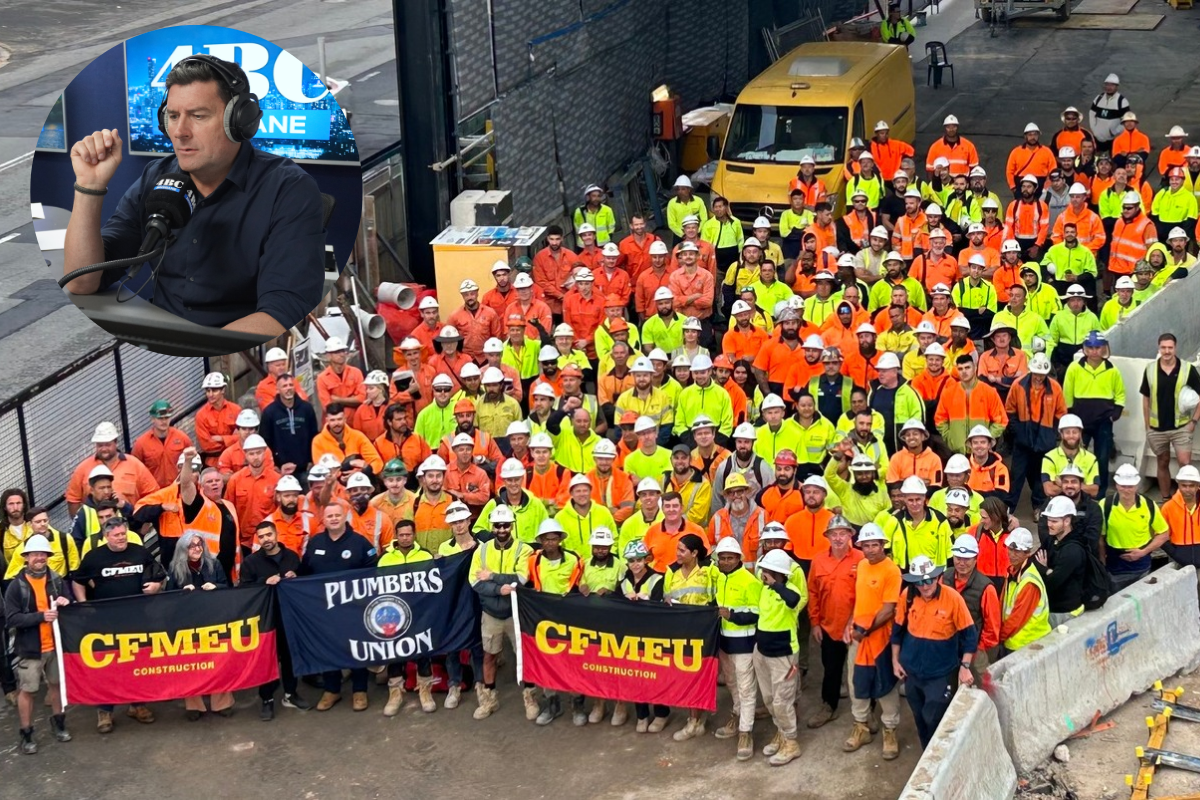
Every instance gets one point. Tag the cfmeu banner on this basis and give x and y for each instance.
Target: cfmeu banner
(145, 649)
(373, 616)
(634, 652)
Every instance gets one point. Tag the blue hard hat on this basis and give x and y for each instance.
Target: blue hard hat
(1095, 339)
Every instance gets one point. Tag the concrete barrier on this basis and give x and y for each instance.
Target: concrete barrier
(1052, 688)
(963, 760)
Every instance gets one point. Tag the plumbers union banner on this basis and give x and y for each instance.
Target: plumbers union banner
(375, 616)
(149, 648)
(615, 649)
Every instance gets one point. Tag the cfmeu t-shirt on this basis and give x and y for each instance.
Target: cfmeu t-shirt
(117, 574)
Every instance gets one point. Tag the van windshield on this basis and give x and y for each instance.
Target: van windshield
(783, 134)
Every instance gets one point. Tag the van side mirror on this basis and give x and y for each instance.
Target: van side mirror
(713, 146)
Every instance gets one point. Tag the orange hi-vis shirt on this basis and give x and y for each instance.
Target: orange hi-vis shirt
(212, 422)
(373, 525)
(925, 465)
(940, 324)
(353, 442)
(412, 451)
(930, 270)
(1169, 158)
(425, 335)
(776, 359)
(991, 257)
(906, 236)
(1004, 278)
(662, 544)
(814, 192)
(293, 533)
(706, 259)
(876, 586)
(348, 384)
(826, 237)
(369, 419)
(635, 255)
(131, 480)
(1025, 160)
(553, 485)
(646, 284)
(537, 309)
(476, 327)
(1027, 221)
(41, 602)
(888, 155)
(1088, 228)
(960, 153)
(253, 499)
(614, 493)
(395, 512)
(700, 283)
(721, 527)
(1130, 241)
(485, 446)
(171, 524)
(161, 456)
(990, 476)
(831, 590)
(1183, 523)
(780, 503)
(739, 344)
(860, 369)
(806, 532)
(550, 270)
(1133, 141)
(233, 458)
(619, 283)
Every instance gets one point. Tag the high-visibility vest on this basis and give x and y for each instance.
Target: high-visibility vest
(171, 525)
(1039, 624)
(1024, 220)
(1181, 380)
(814, 389)
(1129, 243)
(750, 535)
(906, 232)
(739, 591)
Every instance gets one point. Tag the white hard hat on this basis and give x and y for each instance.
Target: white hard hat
(610, 249)
(880, 232)
(844, 260)
(1188, 473)
(657, 354)
(1071, 471)
(960, 322)
(914, 425)
(773, 531)
(1059, 506)
(813, 342)
(659, 248)
(760, 222)
(1034, 179)
(563, 329)
(1193, 152)
(913, 485)
(1176, 132)
(542, 440)
(410, 343)
(548, 353)
(865, 156)
(584, 275)
(957, 464)
(36, 544)
(1070, 421)
(359, 480)
(100, 471)
(913, 192)
(196, 463)
(254, 442)
(663, 293)
(105, 432)
(275, 354)
(1112, 78)
(816, 481)
(376, 377)
(317, 473)
(288, 483)
(1066, 152)
(777, 560)
(745, 431)
(493, 345)
(893, 256)
(728, 544)
(433, 463)
(1032, 128)
(935, 349)
(925, 326)
(468, 285)
(772, 401)
(500, 265)
(334, 344)
(470, 370)
(701, 362)
(692, 324)
(1188, 400)
(681, 360)
(950, 120)
(888, 360)
(871, 533)
(601, 537)
(965, 546)
(740, 307)
(462, 440)
(940, 161)
(1131, 199)
(587, 227)
(1124, 282)
(1127, 475)
(1077, 189)
(1177, 233)
(644, 424)
(1022, 538)
(500, 514)
(977, 172)
(604, 449)
(518, 428)
(215, 380)
(247, 418)
(442, 379)
(329, 461)
(1039, 364)
(493, 375)
(1009, 246)
(862, 463)
(980, 430)
(648, 485)
(579, 479)
(428, 301)
(807, 159)
(683, 180)
(941, 288)
(522, 281)
(958, 497)
(866, 327)
(457, 511)
(882, 126)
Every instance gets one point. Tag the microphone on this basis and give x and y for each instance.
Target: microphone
(169, 206)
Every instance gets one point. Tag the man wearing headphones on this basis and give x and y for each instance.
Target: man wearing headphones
(250, 257)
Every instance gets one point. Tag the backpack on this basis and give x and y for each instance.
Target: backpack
(1096, 583)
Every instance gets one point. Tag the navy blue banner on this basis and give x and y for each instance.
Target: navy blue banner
(363, 617)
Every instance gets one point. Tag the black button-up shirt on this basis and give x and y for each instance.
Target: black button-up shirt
(254, 244)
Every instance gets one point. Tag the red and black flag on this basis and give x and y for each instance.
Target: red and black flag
(148, 648)
(618, 650)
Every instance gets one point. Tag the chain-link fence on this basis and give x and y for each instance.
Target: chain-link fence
(46, 430)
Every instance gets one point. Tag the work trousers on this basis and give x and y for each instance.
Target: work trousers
(642, 710)
(836, 665)
(778, 689)
(1098, 437)
(332, 681)
(928, 699)
(286, 676)
(219, 702)
(1026, 469)
(397, 672)
(738, 670)
(454, 666)
(860, 707)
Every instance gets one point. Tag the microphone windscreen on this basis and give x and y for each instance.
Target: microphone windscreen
(173, 197)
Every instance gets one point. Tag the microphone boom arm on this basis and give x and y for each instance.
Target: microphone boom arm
(122, 262)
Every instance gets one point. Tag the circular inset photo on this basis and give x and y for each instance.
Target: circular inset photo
(200, 192)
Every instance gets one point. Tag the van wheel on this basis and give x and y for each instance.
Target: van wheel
(1064, 11)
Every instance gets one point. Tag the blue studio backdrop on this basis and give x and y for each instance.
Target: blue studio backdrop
(98, 98)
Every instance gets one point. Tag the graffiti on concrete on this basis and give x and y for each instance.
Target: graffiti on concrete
(1099, 649)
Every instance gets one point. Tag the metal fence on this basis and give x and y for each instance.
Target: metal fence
(46, 430)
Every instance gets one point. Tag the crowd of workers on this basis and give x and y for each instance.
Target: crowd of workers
(789, 426)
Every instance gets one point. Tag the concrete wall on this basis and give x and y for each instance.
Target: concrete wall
(964, 761)
(1052, 688)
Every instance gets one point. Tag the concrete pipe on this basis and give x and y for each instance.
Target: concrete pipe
(402, 295)
(373, 325)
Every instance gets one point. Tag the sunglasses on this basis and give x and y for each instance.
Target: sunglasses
(441, 388)
(925, 581)
(502, 525)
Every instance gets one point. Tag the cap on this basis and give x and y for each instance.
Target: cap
(888, 360)
(745, 431)
(36, 544)
(659, 248)
(728, 544)
(1040, 364)
(957, 464)
(636, 549)
(871, 532)
(247, 418)
(681, 449)
(778, 561)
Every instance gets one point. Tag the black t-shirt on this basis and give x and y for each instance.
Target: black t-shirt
(117, 574)
(1166, 393)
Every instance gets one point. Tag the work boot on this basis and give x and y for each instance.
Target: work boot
(11, 697)
(58, 723)
(104, 723)
(745, 750)
(453, 696)
(729, 729)
(579, 717)
(551, 711)
(891, 748)
(773, 746)
(532, 711)
(488, 700)
(643, 725)
(822, 715)
(620, 714)
(28, 745)
(693, 728)
(141, 713)
(425, 693)
(395, 697)
(328, 700)
(267, 712)
(596, 715)
(860, 734)
(658, 724)
(789, 751)
(359, 701)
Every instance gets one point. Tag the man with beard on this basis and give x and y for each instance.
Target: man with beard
(495, 411)
(397, 441)
(693, 289)
(647, 400)
(465, 480)
(637, 249)
(757, 471)
(691, 484)
(288, 426)
(335, 549)
(860, 365)
(1034, 405)
(782, 498)
(894, 399)
(131, 479)
(916, 458)
(1071, 263)
(776, 358)
(1089, 515)
(956, 506)
(1182, 513)
(362, 517)
(340, 382)
(428, 328)
(664, 330)
(744, 339)
(869, 261)
(740, 519)
(431, 503)
(968, 403)
(830, 602)
(862, 427)
(500, 296)
(291, 528)
(181, 506)
(342, 442)
(552, 267)
(251, 490)
(484, 450)
(744, 272)
(1063, 562)
(650, 283)
(270, 563)
(855, 480)
(1031, 157)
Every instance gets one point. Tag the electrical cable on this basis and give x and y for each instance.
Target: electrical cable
(122, 262)
(153, 277)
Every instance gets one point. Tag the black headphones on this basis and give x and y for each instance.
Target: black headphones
(242, 113)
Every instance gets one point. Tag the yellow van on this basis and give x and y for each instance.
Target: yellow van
(812, 102)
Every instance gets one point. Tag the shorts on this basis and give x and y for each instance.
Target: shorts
(31, 670)
(1162, 441)
(494, 630)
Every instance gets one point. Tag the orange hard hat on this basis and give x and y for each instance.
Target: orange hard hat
(723, 362)
(463, 406)
(571, 370)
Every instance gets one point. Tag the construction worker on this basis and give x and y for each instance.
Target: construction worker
(831, 581)
(775, 648)
(739, 519)
(1174, 206)
(404, 550)
(968, 403)
(1095, 392)
(981, 597)
(160, 446)
(1169, 425)
(1133, 529)
(1025, 614)
(596, 212)
(1069, 327)
(1130, 141)
(554, 569)
(737, 599)
(1182, 513)
(989, 476)
(1120, 305)
(916, 457)
(957, 150)
(934, 641)
(1070, 453)
(1034, 406)
(782, 498)
(1031, 157)
(856, 481)
(684, 204)
(692, 485)
(917, 529)
(1132, 235)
